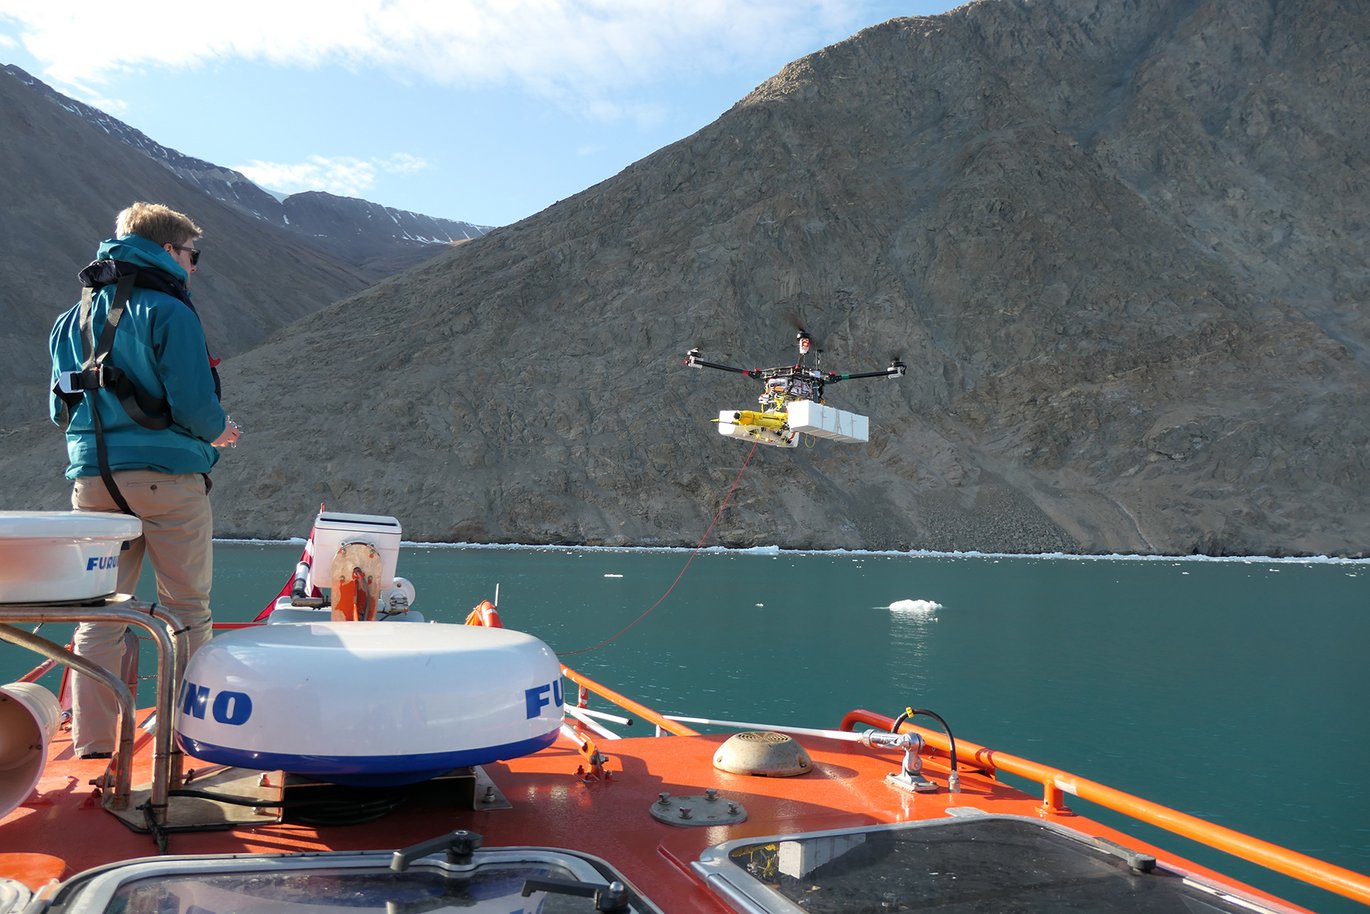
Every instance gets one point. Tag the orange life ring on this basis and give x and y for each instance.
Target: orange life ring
(485, 614)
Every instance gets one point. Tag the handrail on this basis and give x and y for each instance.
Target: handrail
(1055, 782)
(171, 654)
(119, 776)
(627, 703)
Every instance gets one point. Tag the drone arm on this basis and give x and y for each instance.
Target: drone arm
(693, 360)
(896, 370)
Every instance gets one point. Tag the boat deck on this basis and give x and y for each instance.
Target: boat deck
(547, 800)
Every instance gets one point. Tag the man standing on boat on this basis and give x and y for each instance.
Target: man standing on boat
(135, 390)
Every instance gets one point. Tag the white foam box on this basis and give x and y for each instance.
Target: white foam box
(333, 529)
(62, 556)
(825, 422)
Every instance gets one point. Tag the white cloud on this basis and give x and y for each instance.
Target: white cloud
(342, 175)
(402, 163)
(584, 54)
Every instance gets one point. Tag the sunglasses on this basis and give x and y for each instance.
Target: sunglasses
(193, 252)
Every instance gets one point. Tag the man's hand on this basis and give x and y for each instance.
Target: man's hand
(231, 433)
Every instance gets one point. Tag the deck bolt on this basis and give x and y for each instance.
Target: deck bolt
(663, 799)
(489, 793)
(732, 809)
(684, 812)
(711, 794)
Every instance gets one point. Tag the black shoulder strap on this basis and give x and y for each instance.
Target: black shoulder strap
(96, 373)
(71, 385)
(143, 408)
(97, 355)
(102, 457)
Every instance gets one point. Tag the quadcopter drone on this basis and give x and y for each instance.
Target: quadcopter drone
(792, 402)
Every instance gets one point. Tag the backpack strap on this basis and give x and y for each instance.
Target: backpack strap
(96, 372)
(71, 385)
(148, 411)
(102, 458)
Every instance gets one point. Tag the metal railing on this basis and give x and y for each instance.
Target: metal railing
(170, 645)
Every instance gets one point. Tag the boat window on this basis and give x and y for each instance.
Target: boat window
(971, 864)
(492, 883)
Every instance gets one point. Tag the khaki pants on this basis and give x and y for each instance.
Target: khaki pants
(177, 530)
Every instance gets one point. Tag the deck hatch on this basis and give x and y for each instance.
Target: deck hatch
(978, 863)
(354, 883)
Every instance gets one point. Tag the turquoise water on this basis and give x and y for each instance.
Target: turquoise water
(1233, 690)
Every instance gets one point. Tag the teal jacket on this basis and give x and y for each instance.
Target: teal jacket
(160, 345)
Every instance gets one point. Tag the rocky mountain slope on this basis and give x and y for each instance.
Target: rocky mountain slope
(1121, 245)
(381, 240)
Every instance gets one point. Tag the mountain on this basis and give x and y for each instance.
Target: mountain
(1121, 245)
(377, 240)
(70, 168)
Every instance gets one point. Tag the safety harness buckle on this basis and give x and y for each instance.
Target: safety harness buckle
(75, 382)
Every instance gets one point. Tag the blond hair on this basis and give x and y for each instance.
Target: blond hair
(157, 223)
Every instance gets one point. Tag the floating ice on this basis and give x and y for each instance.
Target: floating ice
(915, 606)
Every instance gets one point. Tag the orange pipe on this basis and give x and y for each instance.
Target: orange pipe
(37, 672)
(627, 703)
(1307, 869)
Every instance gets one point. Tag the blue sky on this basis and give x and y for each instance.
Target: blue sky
(485, 111)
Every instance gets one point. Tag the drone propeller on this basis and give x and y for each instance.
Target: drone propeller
(804, 339)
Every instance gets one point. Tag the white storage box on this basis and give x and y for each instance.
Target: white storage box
(825, 422)
(332, 530)
(62, 556)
